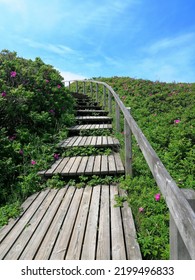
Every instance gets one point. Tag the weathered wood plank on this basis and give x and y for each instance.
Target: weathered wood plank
(61, 245)
(104, 164)
(36, 239)
(89, 245)
(60, 167)
(51, 236)
(53, 167)
(97, 165)
(82, 166)
(132, 246)
(12, 222)
(99, 141)
(75, 166)
(75, 246)
(89, 166)
(118, 163)
(111, 164)
(103, 246)
(68, 166)
(12, 236)
(118, 244)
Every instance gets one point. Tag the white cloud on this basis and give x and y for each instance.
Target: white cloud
(68, 76)
(15, 5)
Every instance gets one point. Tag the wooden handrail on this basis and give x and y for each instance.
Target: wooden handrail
(180, 209)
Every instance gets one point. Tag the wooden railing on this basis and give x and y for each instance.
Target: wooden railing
(181, 203)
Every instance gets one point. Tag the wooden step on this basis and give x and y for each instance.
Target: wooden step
(86, 165)
(96, 141)
(93, 119)
(71, 224)
(83, 107)
(92, 112)
(78, 128)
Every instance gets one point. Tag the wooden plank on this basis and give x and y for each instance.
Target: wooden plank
(93, 141)
(12, 236)
(110, 140)
(88, 140)
(29, 230)
(97, 165)
(118, 244)
(68, 166)
(99, 140)
(61, 165)
(75, 166)
(53, 167)
(83, 140)
(89, 245)
(82, 165)
(132, 246)
(89, 166)
(51, 236)
(12, 222)
(75, 246)
(111, 164)
(61, 245)
(103, 246)
(104, 141)
(119, 164)
(72, 141)
(104, 164)
(76, 143)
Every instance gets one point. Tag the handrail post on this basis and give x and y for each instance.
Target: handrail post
(96, 91)
(84, 88)
(69, 85)
(117, 118)
(76, 86)
(109, 102)
(91, 88)
(128, 147)
(104, 95)
(178, 250)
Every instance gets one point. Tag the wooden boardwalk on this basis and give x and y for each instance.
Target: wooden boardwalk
(76, 223)
(71, 224)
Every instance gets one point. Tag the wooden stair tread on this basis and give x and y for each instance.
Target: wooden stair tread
(86, 165)
(90, 126)
(96, 141)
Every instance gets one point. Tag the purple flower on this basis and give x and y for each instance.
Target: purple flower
(47, 81)
(12, 137)
(21, 152)
(58, 86)
(33, 162)
(176, 121)
(141, 210)
(157, 196)
(3, 94)
(52, 111)
(56, 156)
(13, 74)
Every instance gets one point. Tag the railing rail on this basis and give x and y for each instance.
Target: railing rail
(181, 212)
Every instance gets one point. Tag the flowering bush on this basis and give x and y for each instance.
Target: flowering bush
(31, 117)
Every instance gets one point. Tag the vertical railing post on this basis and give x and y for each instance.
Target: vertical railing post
(117, 118)
(69, 85)
(109, 102)
(178, 250)
(84, 88)
(91, 88)
(128, 147)
(76, 86)
(104, 96)
(96, 91)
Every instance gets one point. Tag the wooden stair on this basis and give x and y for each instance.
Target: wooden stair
(73, 223)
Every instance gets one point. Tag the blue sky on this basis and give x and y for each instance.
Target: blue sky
(147, 39)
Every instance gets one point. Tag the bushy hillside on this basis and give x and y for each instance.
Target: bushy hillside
(166, 114)
(34, 107)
